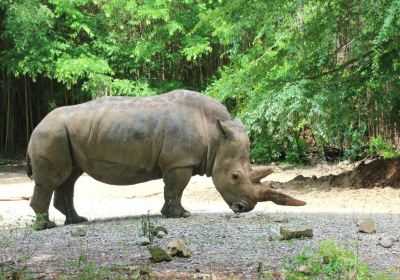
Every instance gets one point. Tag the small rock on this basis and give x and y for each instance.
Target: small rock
(367, 226)
(142, 240)
(197, 270)
(177, 247)
(78, 231)
(157, 229)
(396, 238)
(303, 269)
(295, 232)
(386, 242)
(158, 254)
(280, 219)
(161, 234)
(274, 236)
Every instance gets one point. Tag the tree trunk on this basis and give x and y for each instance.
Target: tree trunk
(26, 111)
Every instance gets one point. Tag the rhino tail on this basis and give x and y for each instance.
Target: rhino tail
(29, 171)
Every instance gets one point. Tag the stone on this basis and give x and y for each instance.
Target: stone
(280, 219)
(177, 247)
(274, 236)
(161, 234)
(157, 229)
(78, 231)
(295, 232)
(386, 242)
(303, 269)
(158, 254)
(367, 226)
(142, 240)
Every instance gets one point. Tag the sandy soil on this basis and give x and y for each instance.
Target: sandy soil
(331, 212)
(95, 200)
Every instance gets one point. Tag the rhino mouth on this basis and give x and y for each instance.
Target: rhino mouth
(241, 207)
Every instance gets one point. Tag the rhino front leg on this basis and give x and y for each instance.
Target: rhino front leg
(64, 199)
(175, 181)
(40, 203)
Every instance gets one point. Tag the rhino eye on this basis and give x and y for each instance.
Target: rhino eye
(235, 176)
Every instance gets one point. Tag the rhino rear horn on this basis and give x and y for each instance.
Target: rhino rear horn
(258, 174)
(268, 194)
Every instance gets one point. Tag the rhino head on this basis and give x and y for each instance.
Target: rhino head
(233, 177)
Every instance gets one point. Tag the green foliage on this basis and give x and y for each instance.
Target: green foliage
(383, 148)
(276, 125)
(71, 70)
(147, 227)
(330, 261)
(327, 67)
(120, 45)
(357, 148)
(86, 268)
(3, 160)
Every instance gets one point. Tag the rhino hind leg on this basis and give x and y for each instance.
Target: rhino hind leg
(40, 203)
(175, 181)
(64, 199)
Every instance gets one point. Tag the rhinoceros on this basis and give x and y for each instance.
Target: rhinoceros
(130, 140)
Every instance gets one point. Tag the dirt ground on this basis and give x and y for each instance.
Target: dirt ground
(222, 244)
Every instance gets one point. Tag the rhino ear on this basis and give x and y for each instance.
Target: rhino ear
(226, 129)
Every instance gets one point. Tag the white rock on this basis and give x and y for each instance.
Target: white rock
(386, 242)
(295, 232)
(142, 240)
(177, 247)
(367, 226)
(78, 231)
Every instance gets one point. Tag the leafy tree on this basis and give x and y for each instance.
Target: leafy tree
(326, 69)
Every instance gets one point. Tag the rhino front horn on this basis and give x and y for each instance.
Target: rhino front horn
(268, 194)
(258, 174)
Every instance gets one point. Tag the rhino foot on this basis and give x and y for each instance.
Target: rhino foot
(75, 220)
(43, 222)
(175, 211)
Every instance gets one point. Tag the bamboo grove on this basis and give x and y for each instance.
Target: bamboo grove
(306, 77)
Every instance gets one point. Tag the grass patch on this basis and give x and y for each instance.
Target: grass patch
(3, 160)
(330, 261)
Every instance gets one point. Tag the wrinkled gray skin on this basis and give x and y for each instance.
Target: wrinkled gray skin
(129, 140)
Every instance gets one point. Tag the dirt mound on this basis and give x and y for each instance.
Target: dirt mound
(374, 173)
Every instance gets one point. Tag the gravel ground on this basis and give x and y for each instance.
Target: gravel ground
(222, 244)
(225, 245)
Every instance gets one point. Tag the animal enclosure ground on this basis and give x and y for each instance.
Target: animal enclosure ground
(222, 244)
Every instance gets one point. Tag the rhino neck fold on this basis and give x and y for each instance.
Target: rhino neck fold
(211, 154)
(212, 143)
